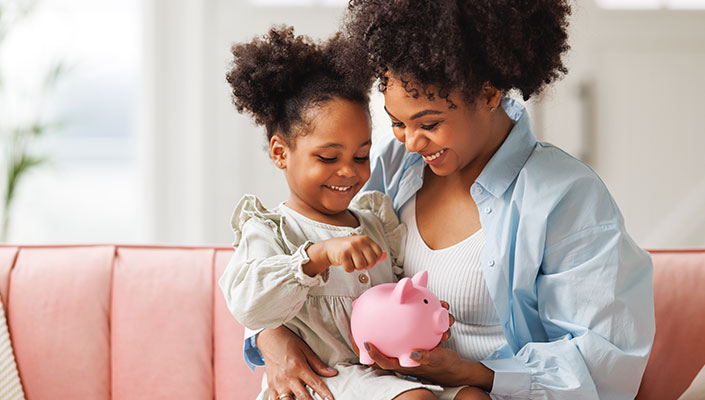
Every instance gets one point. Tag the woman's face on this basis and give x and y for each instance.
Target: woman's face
(449, 140)
(329, 163)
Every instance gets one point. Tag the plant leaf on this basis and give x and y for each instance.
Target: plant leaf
(18, 170)
(54, 75)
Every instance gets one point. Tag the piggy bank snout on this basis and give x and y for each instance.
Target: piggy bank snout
(440, 321)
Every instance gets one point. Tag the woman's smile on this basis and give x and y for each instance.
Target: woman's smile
(434, 158)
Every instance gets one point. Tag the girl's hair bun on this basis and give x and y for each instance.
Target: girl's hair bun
(278, 76)
(268, 70)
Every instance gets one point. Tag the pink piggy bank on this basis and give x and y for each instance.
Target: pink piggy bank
(398, 318)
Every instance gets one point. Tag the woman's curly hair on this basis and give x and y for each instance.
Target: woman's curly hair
(461, 44)
(278, 78)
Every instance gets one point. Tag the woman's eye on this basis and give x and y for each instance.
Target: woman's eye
(327, 159)
(397, 124)
(429, 126)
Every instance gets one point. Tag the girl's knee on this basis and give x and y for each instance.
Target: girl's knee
(472, 393)
(417, 394)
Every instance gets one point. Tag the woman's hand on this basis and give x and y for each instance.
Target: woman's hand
(441, 366)
(291, 365)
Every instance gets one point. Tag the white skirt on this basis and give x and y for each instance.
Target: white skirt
(355, 381)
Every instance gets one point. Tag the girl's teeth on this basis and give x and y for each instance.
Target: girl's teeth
(340, 188)
(434, 155)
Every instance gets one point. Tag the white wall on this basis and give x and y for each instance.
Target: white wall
(638, 125)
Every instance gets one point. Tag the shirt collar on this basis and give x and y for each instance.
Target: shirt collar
(511, 156)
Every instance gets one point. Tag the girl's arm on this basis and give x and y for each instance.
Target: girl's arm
(263, 286)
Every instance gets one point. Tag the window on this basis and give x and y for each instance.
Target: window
(89, 190)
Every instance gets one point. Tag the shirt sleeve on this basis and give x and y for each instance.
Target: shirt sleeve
(595, 302)
(263, 286)
(386, 162)
(253, 357)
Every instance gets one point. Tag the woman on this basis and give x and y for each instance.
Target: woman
(551, 296)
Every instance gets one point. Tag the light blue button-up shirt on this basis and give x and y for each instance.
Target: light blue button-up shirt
(573, 292)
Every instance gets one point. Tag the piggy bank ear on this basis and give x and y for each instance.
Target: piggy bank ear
(420, 279)
(402, 292)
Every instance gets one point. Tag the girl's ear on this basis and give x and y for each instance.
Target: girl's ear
(278, 151)
(491, 96)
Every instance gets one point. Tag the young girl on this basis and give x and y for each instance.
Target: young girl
(302, 263)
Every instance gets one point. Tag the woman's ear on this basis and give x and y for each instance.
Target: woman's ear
(278, 151)
(491, 96)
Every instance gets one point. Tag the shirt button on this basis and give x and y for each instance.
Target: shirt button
(488, 210)
(491, 263)
(363, 278)
(479, 190)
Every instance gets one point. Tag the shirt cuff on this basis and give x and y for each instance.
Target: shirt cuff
(253, 357)
(301, 258)
(512, 379)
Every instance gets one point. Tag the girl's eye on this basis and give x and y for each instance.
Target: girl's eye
(362, 159)
(429, 126)
(397, 124)
(327, 159)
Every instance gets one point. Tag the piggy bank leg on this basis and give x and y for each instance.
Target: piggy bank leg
(406, 361)
(365, 357)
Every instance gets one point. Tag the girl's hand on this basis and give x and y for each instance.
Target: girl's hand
(290, 365)
(440, 365)
(352, 253)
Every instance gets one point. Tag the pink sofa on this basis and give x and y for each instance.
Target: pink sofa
(149, 322)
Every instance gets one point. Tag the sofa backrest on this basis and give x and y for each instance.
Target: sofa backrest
(149, 322)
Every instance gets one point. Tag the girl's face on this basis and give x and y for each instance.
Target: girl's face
(449, 140)
(327, 166)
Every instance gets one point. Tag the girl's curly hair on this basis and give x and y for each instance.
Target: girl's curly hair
(277, 78)
(461, 44)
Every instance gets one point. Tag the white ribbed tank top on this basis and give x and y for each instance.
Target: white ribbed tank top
(455, 275)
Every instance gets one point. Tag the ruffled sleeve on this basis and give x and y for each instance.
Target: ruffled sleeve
(251, 208)
(394, 230)
(264, 283)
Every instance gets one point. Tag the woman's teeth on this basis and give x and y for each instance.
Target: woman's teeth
(341, 188)
(434, 155)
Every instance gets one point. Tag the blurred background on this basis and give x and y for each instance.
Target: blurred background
(116, 123)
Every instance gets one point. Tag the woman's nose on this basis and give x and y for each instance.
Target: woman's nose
(414, 141)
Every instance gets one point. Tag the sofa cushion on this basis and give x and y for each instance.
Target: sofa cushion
(58, 309)
(162, 319)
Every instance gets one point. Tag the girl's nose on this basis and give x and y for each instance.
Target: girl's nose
(347, 170)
